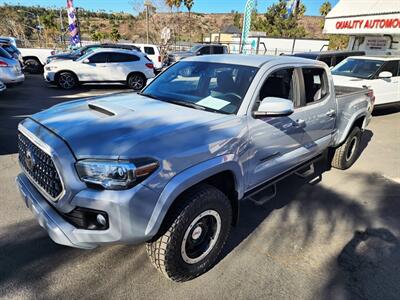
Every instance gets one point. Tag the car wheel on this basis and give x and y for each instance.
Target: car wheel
(67, 80)
(192, 243)
(346, 155)
(136, 81)
(33, 66)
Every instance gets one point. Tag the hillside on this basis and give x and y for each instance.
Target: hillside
(119, 26)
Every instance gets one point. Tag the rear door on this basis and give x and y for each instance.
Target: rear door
(121, 64)
(317, 111)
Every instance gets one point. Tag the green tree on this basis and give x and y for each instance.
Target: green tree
(115, 36)
(189, 4)
(237, 19)
(325, 8)
(277, 22)
(97, 36)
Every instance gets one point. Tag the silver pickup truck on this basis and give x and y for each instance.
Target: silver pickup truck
(169, 166)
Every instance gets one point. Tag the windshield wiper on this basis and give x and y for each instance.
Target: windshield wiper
(187, 104)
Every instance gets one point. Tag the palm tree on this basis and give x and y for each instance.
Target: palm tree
(189, 5)
(325, 8)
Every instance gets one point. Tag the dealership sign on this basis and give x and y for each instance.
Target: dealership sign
(378, 24)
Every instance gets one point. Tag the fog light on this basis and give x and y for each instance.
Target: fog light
(101, 220)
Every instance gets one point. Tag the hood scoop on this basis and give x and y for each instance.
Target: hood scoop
(102, 109)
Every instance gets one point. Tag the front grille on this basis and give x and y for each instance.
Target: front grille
(40, 167)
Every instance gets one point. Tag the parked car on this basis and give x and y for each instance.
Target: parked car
(380, 73)
(197, 50)
(153, 53)
(331, 58)
(169, 166)
(102, 65)
(2, 87)
(12, 50)
(10, 69)
(75, 54)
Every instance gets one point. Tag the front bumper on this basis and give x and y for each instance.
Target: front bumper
(49, 76)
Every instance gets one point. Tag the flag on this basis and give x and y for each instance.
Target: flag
(73, 29)
(247, 23)
(291, 6)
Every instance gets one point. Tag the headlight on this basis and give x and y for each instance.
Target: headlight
(115, 175)
(51, 68)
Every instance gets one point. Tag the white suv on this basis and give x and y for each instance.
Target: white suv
(132, 68)
(153, 53)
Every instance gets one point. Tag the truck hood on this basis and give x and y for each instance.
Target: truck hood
(128, 125)
(348, 81)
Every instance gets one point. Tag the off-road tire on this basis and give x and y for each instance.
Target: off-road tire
(348, 152)
(33, 66)
(165, 252)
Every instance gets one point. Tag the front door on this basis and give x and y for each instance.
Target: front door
(96, 69)
(386, 90)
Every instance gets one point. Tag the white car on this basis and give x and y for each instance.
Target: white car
(153, 53)
(380, 73)
(132, 68)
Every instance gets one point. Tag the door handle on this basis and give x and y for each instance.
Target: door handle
(299, 123)
(331, 113)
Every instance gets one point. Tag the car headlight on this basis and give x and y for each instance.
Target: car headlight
(51, 68)
(115, 175)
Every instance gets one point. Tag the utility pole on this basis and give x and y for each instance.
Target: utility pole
(147, 5)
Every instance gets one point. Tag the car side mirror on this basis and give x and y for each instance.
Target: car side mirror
(274, 107)
(385, 75)
(86, 61)
(198, 53)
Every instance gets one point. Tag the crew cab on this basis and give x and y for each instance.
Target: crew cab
(132, 68)
(169, 166)
(380, 73)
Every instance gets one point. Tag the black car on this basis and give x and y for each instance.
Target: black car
(331, 58)
(196, 50)
(83, 50)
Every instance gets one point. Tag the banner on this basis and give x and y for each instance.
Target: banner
(73, 29)
(291, 6)
(246, 23)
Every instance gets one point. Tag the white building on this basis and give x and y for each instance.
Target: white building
(373, 25)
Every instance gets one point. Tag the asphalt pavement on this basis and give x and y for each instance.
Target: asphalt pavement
(332, 236)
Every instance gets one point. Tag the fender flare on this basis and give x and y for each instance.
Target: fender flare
(350, 125)
(188, 178)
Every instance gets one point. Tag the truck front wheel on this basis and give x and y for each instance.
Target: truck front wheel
(346, 155)
(192, 243)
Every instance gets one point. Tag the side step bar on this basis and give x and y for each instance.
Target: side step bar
(270, 187)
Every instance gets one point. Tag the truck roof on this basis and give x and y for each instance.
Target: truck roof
(248, 60)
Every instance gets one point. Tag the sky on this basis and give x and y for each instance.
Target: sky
(204, 6)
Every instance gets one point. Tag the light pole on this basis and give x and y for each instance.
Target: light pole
(39, 27)
(147, 5)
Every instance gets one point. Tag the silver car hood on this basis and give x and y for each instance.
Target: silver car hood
(129, 125)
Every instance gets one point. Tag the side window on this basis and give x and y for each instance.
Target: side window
(218, 50)
(278, 84)
(315, 84)
(149, 50)
(98, 58)
(122, 57)
(205, 50)
(390, 66)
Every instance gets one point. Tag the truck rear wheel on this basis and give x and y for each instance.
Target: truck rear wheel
(33, 66)
(346, 154)
(192, 243)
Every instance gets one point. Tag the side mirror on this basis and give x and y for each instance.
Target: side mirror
(198, 53)
(86, 61)
(274, 107)
(385, 74)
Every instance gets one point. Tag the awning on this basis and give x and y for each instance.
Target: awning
(364, 17)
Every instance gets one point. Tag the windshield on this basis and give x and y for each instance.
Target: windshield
(209, 86)
(84, 56)
(359, 68)
(195, 48)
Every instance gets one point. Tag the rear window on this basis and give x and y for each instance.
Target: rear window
(4, 53)
(149, 50)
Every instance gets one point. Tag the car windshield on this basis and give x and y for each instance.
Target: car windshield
(358, 68)
(85, 55)
(201, 85)
(195, 48)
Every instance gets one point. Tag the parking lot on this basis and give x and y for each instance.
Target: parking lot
(335, 236)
